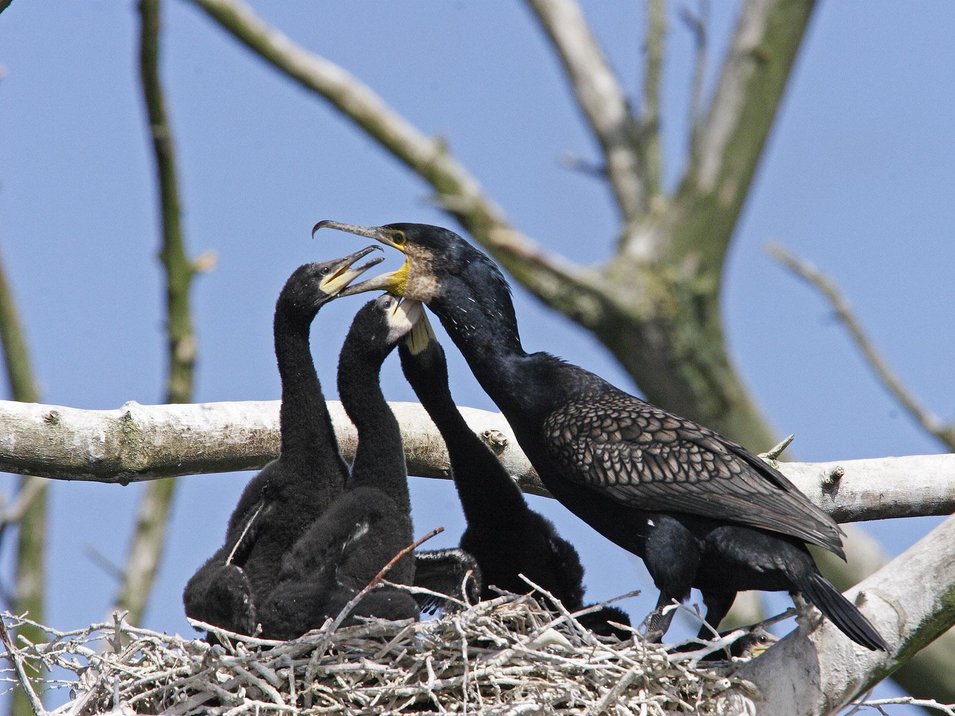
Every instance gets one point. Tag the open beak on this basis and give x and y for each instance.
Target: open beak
(394, 281)
(346, 271)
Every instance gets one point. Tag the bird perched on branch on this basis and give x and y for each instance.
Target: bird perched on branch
(701, 510)
(279, 503)
(505, 536)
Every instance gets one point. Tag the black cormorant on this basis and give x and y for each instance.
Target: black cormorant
(277, 505)
(503, 534)
(346, 546)
(701, 510)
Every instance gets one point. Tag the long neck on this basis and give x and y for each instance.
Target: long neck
(487, 493)
(379, 456)
(490, 343)
(308, 439)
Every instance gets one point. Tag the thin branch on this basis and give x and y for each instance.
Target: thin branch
(26, 686)
(815, 278)
(545, 274)
(601, 99)
(148, 539)
(146, 442)
(730, 142)
(649, 144)
(699, 26)
(377, 579)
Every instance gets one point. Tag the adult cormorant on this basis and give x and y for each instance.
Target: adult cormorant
(277, 505)
(370, 522)
(503, 534)
(699, 509)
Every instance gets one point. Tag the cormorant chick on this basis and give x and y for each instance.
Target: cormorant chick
(370, 523)
(701, 510)
(504, 535)
(278, 504)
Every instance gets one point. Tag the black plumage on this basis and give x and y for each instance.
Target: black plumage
(279, 503)
(698, 508)
(369, 523)
(505, 536)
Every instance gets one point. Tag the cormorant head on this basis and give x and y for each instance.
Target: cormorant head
(437, 261)
(380, 324)
(312, 285)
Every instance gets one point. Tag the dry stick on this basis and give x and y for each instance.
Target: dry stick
(21, 672)
(815, 278)
(346, 610)
(245, 531)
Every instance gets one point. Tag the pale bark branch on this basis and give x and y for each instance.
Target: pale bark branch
(814, 277)
(910, 601)
(146, 442)
(601, 99)
(545, 274)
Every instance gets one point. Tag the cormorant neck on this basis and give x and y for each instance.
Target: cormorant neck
(379, 456)
(487, 493)
(488, 338)
(308, 438)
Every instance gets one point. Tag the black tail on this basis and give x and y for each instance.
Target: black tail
(841, 612)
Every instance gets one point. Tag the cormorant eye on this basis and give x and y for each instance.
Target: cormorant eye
(398, 237)
(325, 270)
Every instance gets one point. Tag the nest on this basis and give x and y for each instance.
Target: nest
(509, 655)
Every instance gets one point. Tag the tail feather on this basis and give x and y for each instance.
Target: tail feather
(841, 612)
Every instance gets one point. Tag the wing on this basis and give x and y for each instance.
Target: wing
(652, 460)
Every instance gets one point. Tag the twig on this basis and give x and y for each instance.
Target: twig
(346, 610)
(601, 99)
(17, 659)
(245, 531)
(815, 278)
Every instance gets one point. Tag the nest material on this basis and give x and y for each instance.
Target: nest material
(509, 655)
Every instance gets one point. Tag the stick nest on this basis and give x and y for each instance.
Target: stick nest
(510, 655)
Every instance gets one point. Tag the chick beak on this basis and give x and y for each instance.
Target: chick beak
(346, 272)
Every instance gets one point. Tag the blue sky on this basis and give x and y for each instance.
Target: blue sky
(858, 177)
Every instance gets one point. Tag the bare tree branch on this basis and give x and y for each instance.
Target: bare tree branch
(542, 272)
(910, 601)
(648, 144)
(601, 99)
(149, 534)
(945, 434)
(146, 442)
(699, 26)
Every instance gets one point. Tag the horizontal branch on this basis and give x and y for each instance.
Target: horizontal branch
(144, 442)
